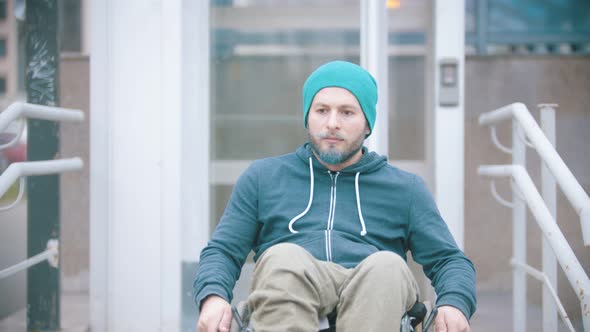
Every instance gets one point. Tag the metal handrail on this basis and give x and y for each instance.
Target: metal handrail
(568, 261)
(17, 110)
(28, 168)
(51, 254)
(542, 277)
(21, 111)
(564, 177)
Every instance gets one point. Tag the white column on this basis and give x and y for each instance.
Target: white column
(195, 148)
(136, 163)
(100, 170)
(85, 17)
(448, 40)
(549, 189)
(170, 111)
(195, 142)
(374, 43)
(519, 282)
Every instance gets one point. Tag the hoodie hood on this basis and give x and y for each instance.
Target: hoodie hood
(369, 162)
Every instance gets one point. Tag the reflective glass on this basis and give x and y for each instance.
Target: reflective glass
(407, 98)
(529, 26)
(539, 17)
(261, 53)
(258, 66)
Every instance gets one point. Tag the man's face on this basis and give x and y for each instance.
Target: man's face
(337, 126)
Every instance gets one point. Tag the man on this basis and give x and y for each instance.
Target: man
(330, 225)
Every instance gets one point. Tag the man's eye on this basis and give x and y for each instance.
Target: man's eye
(321, 110)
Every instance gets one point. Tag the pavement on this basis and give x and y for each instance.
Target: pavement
(494, 311)
(13, 249)
(75, 315)
(494, 314)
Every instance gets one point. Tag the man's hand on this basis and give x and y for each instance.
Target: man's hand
(450, 319)
(215, 315)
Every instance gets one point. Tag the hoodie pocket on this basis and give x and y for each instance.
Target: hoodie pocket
(348, 250)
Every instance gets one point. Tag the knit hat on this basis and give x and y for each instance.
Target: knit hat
(345, 75)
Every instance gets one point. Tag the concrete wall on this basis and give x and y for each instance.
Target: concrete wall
(9, 63)
(74, 186)
(492, 82)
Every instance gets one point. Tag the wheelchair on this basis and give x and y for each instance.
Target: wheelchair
(409, 322)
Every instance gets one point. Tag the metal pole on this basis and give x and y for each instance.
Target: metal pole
(51, 254)
(32, 168)
(17, 110)
(565, 179)
(42, 55)
(570, 265)
(546, 283)
(519, 235)
(549, 187)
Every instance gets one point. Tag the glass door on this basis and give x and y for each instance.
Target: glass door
(261, 53)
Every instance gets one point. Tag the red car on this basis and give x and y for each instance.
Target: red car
(15, 153)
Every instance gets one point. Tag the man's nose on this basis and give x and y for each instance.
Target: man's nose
(333, 122)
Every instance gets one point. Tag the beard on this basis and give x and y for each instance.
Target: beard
(332, 155)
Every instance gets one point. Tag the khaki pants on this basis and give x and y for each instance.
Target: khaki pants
(291, 290)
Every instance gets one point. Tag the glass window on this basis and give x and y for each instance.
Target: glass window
(527, 26)
(539, 17)
(70, 28)
(261, 54)
(408, 28)
(263, 50)
(2, 9)
(2, 85)
(260, 59)
(407, 95)
(2, 47)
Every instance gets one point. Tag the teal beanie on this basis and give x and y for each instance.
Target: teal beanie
(345, 75)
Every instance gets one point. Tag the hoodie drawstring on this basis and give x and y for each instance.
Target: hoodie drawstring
(358, 204)
(308, 204)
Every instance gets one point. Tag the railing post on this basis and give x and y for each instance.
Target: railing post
(519, 285)
(42, 56)
(523, 122)
(549, 187)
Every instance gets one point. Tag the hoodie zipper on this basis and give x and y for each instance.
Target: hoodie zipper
(330, 227)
